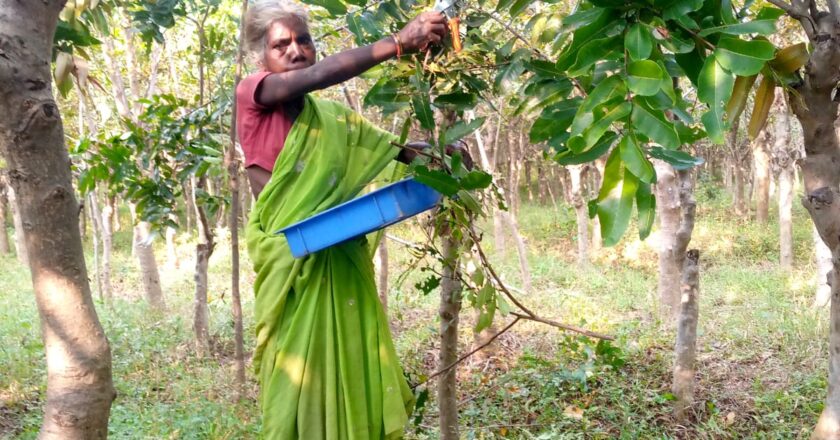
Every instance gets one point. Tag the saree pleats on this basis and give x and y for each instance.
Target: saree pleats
(325, 359)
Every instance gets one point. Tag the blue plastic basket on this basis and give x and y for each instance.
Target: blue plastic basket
(360, 216)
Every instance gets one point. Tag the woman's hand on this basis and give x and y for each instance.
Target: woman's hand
(426, 28)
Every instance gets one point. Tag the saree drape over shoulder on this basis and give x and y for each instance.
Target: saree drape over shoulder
(324, 357)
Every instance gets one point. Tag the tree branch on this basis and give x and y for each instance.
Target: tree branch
(528, 313)
(471, 352)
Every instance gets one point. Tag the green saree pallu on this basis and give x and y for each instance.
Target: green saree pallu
(324, 358)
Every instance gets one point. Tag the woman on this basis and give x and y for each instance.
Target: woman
(324, 357)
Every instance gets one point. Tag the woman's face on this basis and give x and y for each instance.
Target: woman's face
(288, 46)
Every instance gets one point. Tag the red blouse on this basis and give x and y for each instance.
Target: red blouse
(262, 130)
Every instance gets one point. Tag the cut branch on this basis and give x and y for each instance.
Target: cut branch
(567, 327)
(470, 353)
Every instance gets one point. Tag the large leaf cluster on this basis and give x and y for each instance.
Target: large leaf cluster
(625, 60)
(150, 162)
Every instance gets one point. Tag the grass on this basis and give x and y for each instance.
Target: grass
(762, 348)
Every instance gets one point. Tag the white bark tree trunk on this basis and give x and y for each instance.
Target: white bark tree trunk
(581, 214)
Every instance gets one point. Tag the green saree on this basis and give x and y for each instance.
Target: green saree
(324, 357)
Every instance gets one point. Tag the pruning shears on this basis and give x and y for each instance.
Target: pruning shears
(450, 9)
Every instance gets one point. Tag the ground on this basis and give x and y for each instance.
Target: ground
(762, 345)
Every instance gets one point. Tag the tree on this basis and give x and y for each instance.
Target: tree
(79, 386)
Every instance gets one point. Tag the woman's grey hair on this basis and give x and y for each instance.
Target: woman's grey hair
(262, 14)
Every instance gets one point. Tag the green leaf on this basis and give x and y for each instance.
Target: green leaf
(600, 126)
(593, 52)
(645, 77)
(638, 42)
(518, 7)
(568, 157)
(635, 161)
(714, 83)
(544, 68)
(476, 179)
(713, 122)
(461, 129)
(691, 63)
(456, 101)
(646, 208)
(680, 160)
(610, 89)
(653, 124)
(580, 19)
(743, 57)
(438, 180)
(681, 8)
(761, 27)
(423, 110)
(615, 200)
(334, 7)
(554, 120)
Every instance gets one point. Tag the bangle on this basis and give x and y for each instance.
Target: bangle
(399, 45)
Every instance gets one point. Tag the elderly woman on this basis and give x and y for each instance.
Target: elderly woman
(325, 360)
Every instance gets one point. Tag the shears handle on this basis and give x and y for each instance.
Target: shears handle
(455, 33)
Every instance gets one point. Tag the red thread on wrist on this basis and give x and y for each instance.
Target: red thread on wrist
(399, 45)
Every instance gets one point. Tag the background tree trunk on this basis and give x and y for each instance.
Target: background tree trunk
(107, 246)
(450, 308)
(581, 214)
(149, 274)
(203, 251)
(233, 167)
(17, 221)
(686, 346)
(96, 221)
(761, 172)
(5, 249)
(79, 387)
(784, 158)
(822, 255)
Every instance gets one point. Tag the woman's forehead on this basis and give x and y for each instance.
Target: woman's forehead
(287, 28)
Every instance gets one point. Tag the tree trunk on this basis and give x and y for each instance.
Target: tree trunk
(668, 212)
(203, 250)
(784, 158)
(686, 346)
(785, 218)
(450, 308)
(581, 212)
(107, 246)
(822, 254)
(675, 208)
(521, 249)
(597, 240)
(812, 103)
(17, 221)
(96, 222)
(172, 261)
(761, 169)
(4, 233)
(79, 386)
(82, 220)
(149, 274)
(233, 167)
